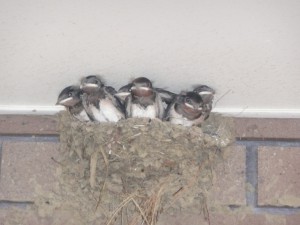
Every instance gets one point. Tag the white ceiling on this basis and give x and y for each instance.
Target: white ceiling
(249, 51)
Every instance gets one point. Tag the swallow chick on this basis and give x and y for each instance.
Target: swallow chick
(207, 95)
(141, 99)
(70, 97)
(166, 96)
(99, 100)
(186, 109)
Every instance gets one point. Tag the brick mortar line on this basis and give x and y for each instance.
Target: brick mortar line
(277, 207)
(266, 139)
(29, 138)
(277, 210)
(7, 204)
(274, 143)
(251, 175)
(1, 143)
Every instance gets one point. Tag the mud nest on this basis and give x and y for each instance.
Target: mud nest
(132, 171)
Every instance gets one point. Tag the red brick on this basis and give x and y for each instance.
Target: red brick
(240, 217)
(293, 219)
(26, 166)
(180, 219)
(16, 215)
(266, 128)
(229, 178)
(30, 216)
(279, 176)
(28, 124)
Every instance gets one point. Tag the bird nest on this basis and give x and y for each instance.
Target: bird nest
(132, 171)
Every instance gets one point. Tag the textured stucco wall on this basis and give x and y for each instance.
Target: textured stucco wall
(247, 49)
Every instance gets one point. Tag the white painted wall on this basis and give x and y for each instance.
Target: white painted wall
(248, 49)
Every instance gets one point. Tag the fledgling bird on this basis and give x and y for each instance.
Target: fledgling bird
(165, 95)
(186, 109)
(207, 95)
(70, 97)
(99, 100)
(142, 100)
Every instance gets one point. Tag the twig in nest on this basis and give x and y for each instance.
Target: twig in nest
(57, 161)
(138, 126)
(206, 213)
(79, 152)
(141, 211)
(93, 168)
(125, 202)
(106, 175)
(157, 203)
(120, 143)
(132, 137)
(180, 189)
(151, 206)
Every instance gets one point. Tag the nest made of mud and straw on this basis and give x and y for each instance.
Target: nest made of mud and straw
(132, 171)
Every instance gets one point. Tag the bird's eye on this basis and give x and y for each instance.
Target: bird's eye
(70, 94)
(188, 100)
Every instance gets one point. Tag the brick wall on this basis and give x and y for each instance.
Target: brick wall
(258, 183)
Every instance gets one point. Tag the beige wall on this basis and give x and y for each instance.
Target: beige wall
(248, 49)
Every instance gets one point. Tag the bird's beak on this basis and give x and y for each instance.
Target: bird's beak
(189, 105)
(62, 102)
(88, 85)
(206, 93)
(141, 88)
(122, 94)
